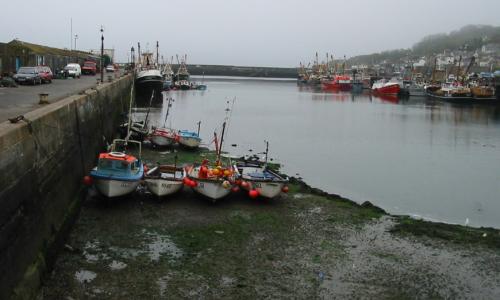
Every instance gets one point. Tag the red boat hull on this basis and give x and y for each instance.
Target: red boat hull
(392, 89)
(337, 86)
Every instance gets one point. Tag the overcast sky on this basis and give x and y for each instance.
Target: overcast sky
(241, 32)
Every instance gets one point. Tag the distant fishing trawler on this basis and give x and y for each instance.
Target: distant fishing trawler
(148, 77)
(182, 76)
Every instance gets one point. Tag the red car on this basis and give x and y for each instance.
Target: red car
(45, 74)
(89, 67)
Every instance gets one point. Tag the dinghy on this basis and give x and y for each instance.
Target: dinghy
(259, 180)
(164, 180)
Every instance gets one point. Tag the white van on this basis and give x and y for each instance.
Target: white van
(74, 70)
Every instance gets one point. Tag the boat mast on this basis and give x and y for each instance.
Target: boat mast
(168, 108)
(157, 54)
(199, 123)
(149, 108)
(130, 112)
(139, 54)
(220, 144)
(267, 150)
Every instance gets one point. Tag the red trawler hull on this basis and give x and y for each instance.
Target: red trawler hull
(392, 89)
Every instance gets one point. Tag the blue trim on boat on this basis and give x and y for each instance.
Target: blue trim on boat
(189, 134)
(114, 175)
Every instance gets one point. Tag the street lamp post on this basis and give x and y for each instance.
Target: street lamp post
(102, 55)
(76, 37)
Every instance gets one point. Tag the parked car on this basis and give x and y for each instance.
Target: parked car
(74, 70)
(28, 75)
(89, 67)
(110, 68)
(45, 73)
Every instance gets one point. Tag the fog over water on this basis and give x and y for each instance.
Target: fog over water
(256, 33)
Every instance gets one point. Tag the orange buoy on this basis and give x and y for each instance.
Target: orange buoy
(253, 193)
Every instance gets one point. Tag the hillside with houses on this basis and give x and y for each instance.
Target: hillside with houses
(473, 48)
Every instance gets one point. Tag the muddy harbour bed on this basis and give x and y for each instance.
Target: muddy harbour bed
(305, 244)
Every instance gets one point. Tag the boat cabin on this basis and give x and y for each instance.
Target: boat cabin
(118, 162)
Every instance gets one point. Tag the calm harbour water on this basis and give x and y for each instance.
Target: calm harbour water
(415, 156)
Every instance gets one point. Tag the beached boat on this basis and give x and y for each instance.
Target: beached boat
(164, 136)
(213, 181)
(259, 180)
(188, 138)
(386, 87)
(117, 173)
(164, 180)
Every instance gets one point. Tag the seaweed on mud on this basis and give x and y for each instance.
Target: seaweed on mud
(489, 237)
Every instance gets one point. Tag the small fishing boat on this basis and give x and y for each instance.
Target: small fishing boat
(213, 181)
(117, 173)
(189, 139)
(164, 136)
(164, 180)
(259, 180)
(386, 87)
(451, 92)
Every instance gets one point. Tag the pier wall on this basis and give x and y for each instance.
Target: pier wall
(42, 162)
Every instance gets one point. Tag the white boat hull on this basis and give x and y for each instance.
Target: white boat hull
(161, 141)
(163, 187)
(189, 142)
(213, 190)
(115, 188)
(265, 189)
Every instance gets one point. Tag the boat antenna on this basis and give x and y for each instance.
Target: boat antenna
(199, 124)
(229, 112)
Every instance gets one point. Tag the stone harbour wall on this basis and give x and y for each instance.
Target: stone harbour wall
(43, 159)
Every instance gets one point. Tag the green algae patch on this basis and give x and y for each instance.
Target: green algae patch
(455, 233)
